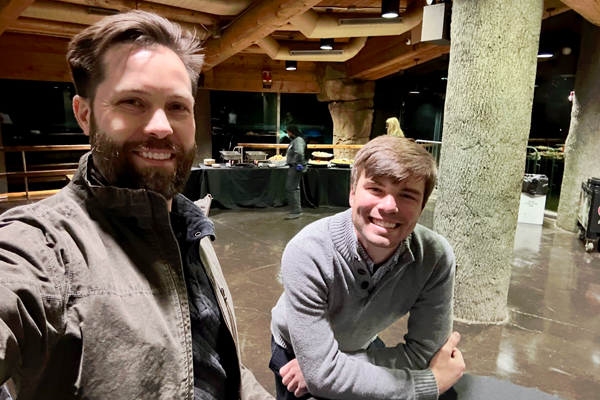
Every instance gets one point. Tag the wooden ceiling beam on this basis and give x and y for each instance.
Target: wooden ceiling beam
(260, 20)
(383, 56)
(44, 27)
(119, 5)
(588, 9)
(79, 11)
(179, 14)
(10, 10)
(61, 12)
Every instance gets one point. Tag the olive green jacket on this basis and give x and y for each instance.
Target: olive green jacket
(93, 302)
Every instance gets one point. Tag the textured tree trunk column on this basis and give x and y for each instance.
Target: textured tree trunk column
(486, 124)
(350, 106)
(582, 150)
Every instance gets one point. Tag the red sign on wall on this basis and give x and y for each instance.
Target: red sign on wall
(267, 79)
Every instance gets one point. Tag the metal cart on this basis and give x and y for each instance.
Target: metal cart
(588, 215)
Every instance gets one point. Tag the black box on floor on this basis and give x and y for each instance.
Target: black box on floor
(535, 184)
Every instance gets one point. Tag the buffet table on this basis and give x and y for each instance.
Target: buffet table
(235, 187)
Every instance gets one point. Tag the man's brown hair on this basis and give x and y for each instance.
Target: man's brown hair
(397, 159)
(87, 49)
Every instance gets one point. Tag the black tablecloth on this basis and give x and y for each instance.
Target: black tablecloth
(236, 187)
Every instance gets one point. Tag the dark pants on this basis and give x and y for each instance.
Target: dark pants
(292, 188)
(281, 356)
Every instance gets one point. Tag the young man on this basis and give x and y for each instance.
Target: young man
(350, 276)
(111, 288)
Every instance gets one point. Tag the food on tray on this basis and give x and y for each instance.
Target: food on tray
(321, 154)
(318, 162)
(342, 161)
(209, 161)
(277, 157)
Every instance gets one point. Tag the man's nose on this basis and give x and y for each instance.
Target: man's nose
(389, 204)
(159, 125)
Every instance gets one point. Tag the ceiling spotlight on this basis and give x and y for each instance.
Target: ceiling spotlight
(326, 44)
(566, 51)
(545, 55)
(291, 65)
(217, 32)
(390, 8)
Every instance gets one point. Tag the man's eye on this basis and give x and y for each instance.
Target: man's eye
(132, 102)
(179, 107)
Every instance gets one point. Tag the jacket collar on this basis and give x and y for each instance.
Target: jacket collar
(141, 204)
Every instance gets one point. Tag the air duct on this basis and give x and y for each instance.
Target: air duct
(279, 52)
(318, 26)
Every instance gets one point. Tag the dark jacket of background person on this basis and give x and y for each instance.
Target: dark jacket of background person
(296, 153)
(93, 300)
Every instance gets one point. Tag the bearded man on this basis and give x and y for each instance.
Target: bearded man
(111, 289)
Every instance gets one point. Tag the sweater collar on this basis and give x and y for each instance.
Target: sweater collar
(346, 241)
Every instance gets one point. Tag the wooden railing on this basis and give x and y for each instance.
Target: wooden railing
(28, 173)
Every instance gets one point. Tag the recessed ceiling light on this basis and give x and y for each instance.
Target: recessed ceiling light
(291, 65)
(390, 8)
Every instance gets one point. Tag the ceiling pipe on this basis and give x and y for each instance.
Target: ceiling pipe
(279, 52)
(322, 26)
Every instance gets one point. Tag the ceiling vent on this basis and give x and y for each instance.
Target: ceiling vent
(370, 21)
(315, 52)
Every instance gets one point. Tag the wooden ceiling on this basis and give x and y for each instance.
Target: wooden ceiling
(34, 34)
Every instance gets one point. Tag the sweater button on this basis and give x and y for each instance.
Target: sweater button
(364, 285)
(362, 272)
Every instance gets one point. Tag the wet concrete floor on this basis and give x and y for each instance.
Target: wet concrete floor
(552, 339)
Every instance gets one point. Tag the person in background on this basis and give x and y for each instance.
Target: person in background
(111, 288)
(350, 276)
(232, 118)
(297, 161)
(393, 127)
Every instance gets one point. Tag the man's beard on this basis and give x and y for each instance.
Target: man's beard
(114, 163)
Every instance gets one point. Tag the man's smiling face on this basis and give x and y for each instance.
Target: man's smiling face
(142, 126)
(385, 213)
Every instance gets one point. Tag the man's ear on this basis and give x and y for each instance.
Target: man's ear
(351, 200)
(83, 112)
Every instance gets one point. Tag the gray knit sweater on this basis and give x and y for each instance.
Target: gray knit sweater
(330, 312)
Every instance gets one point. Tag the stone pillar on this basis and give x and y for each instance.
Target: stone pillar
(350, 105)
(491, 76)
(582, 150)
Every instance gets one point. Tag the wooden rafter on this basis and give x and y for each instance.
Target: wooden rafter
(45, 27)
(383, 56)
(588, 9)
(258, 21)
(10, 11)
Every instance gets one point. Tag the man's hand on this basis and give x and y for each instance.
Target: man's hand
(448, 364)
(293, 378)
